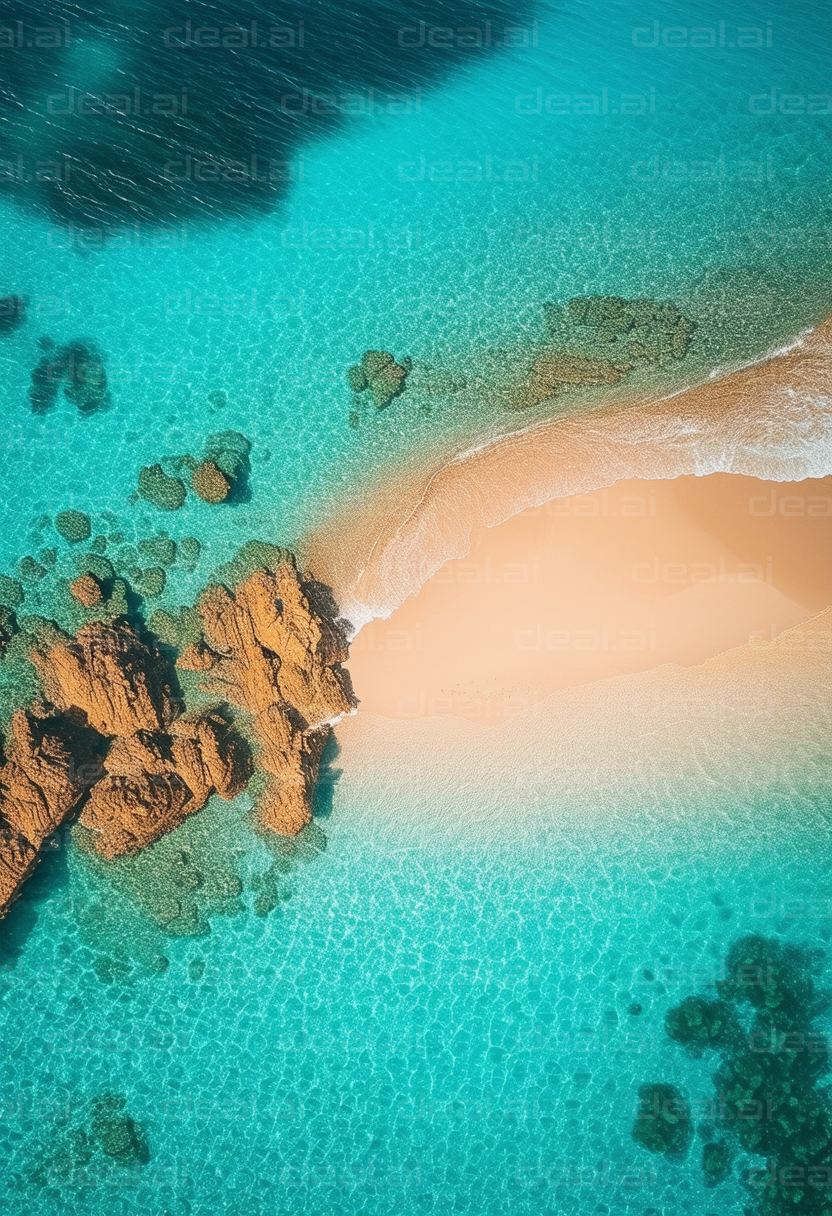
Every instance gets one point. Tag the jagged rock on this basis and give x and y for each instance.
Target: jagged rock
(73, 526)
(18, 858)
(154, 781)
(209, 754)
(195, 657)
(86, 590)
(112, 676)
(46, 772)
(277, 647)
(278, 658)
(210, 483)
(291, 758)
(166, 493)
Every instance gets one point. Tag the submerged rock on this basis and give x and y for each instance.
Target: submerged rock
(150, 582)
(643, 329)
(166, 493)
(551, 372)
(79, 367)
(115, 1133)
(31, 571)
(73, 526)
(109, 674)
(209, 482)
(160, 550)
(381, 374)
(11, 591)
(86, 589)
(188, 552)
(86, 380)
(663, 1123)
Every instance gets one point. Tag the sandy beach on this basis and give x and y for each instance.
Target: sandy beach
(591, 547)
(770, 420)
(638, 575)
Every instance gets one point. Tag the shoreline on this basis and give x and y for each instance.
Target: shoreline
(623, 580)
(765, 420)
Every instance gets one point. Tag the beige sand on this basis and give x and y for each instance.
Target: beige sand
(768, 420)
(617, 581)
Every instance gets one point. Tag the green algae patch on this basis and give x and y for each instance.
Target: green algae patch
(30, 570)
(188, 552)
(73, 526)
(155, 486)
(159, 550)
(254, 555)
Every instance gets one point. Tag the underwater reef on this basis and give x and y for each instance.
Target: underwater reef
(599, 340)
(381, 375)
(219, 475)
(79, 367)
(131, 726)
(12, 313)
(769, 1099)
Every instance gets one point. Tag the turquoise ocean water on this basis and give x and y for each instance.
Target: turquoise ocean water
(422, 1025)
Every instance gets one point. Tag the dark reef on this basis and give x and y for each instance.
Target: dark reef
(770, 1100)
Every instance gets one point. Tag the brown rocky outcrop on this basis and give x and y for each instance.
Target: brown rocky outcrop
(209, 482)
(48, 768)
(291, 757)
(112, 697)
(153, 782)
(86, 590)
(109, 674)
(115, 743)
(278, 658)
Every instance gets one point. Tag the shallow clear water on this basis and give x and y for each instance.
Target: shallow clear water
(425, 1024)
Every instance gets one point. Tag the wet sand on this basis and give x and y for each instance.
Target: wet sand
(584, 588)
